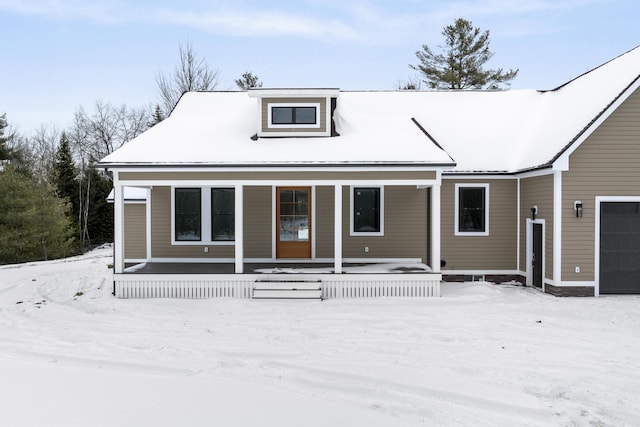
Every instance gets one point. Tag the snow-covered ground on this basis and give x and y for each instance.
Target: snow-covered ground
(482, 355)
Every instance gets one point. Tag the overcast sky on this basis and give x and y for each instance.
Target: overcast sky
(58, 55)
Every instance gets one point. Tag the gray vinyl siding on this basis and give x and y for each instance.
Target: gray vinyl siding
(161, 246)
(497, 251)
(265, 121)
(405, 216)
(257, 222)
(324, 206)
(135, 231)
(405, 226)
(606, 164)
(537, 191)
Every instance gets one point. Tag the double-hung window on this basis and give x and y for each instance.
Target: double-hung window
(367, 217)
(188, 224)
(205, 215)
(472, 210)
(223, 202)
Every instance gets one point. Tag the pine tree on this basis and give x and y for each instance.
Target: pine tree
(248, 80)
(156, 117)
(460, 65)
(33, 220)
(4, 150)
(65, 176)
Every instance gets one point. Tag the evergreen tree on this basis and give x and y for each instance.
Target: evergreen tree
(65, 176)
(460, 64)
(4, 150)
(157, 116)
(248, 80)
(32, 219)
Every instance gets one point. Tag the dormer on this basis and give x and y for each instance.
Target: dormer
(295, 112)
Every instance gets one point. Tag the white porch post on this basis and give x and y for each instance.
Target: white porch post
(435, 225)
(337, 230)
(118, 224)
(239, 228)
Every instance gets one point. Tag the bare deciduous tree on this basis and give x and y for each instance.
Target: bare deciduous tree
(43, 145)
(106, 129)
(192, 74)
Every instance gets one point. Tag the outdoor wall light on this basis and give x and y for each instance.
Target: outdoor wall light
(577, 206)
(534, 212)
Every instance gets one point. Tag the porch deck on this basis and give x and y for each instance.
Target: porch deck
(276, 268)
(212, 280)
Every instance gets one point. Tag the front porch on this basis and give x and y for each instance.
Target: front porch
(354, 234)
(211, 280)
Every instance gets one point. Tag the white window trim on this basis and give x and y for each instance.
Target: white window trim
(456, 214)
(293, 104)
(205, 218)
(351, 211)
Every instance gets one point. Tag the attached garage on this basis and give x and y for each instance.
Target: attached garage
(620, 248)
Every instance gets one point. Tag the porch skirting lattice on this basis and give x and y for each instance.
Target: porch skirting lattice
(198, 286)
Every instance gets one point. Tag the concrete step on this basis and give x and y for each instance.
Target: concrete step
(284, 285)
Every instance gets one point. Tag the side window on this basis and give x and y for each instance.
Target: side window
(367, 215)
(188, 224)
(472, 209)
(223, 214)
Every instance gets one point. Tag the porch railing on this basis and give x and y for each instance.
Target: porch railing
(198, 286)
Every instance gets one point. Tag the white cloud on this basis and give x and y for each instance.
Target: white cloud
(257, 23)
(366, 21)
(97, 11)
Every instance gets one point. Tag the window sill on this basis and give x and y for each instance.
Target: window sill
(202, 243)
(367, 233)
(471, 233)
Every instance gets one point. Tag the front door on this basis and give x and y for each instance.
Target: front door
(293, 222)
(537, 257)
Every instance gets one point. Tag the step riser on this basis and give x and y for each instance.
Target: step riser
(286, 285)
(286, 294)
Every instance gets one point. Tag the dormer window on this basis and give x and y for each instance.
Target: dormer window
(293, 113)
(303, 115)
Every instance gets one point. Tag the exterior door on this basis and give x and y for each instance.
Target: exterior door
(293, 222)
(537, 258)
(620, 248)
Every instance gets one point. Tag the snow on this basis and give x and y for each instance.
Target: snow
(493, 131)
(130, 193)
(215, 128)
(482, 355)
(375, 268)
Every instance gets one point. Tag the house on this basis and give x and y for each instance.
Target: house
(541, 187)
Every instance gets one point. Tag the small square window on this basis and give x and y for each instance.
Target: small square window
(282, 115)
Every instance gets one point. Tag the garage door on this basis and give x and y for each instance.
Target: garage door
(620, 248)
